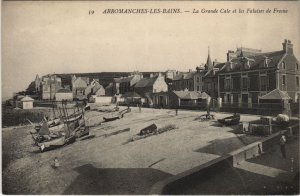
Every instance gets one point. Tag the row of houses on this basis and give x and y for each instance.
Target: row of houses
(246, 75)
(50, 87)
(244, 80)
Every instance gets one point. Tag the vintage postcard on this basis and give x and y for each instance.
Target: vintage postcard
(150, 97)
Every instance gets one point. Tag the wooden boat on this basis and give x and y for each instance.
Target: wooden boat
(107, 119)
(206, 117)
(61, 131)
(51, 123)
(87, 107)
(127, 110)
(149, 129)
(55, 142)
(73, 118)
(231, 120)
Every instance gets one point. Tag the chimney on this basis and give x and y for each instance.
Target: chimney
(230, 54)
(215, 70)
(266, 62)
(287, 46)
(231, 65)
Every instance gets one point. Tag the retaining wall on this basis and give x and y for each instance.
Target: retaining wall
(186, 179)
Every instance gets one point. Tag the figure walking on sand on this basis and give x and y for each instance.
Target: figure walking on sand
(282, 142)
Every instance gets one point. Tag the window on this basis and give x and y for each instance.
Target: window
(283, 65)
(263, 82)
(245, 83)
(198, 79)
(297, 81)
(228, 84)
(228, 98)
(297, 66)
(198, 88)
(283, 80)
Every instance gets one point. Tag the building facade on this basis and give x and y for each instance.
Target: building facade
(245, 78)
(126, 84)
(192, 81)
(79, 85)
(64, 94)
(147, 86)
(50, 84)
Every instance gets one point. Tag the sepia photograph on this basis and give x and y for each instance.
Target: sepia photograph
(150, 97)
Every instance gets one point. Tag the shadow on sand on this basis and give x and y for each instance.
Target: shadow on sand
(224, 146)
(234, 181)
(104, 181)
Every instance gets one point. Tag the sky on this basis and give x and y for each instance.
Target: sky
(61, 37)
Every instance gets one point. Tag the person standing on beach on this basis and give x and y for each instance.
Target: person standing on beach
(282, 142)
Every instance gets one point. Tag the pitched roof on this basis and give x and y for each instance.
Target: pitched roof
(216, 68)
(19, 97)
(27, 98)
(109, 86)
(219, 65)
(256, 61)
(276, 94)
(191, 95)
(204, 95)
(98, 86)
(185, 76)
(125, 79)
(145, 82)
(80, 83)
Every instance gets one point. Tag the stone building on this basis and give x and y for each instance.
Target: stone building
(50, 84)
(246, 77)
(147, 86)
(210, 79)
(192, 81)
(126, 84)
(64, 94)
(79, 85)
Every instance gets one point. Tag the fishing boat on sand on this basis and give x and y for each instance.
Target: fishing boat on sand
(66, 130)
(231, 120)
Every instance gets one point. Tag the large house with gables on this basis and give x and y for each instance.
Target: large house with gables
(243, 79)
